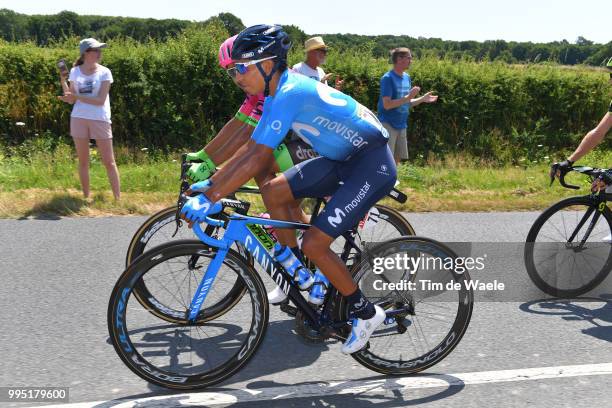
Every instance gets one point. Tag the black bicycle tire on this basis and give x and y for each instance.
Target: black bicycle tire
(137, 247)
(451, 340)
(127, 352)
(532, 271)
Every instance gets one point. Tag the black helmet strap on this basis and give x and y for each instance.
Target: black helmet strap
(267, 77)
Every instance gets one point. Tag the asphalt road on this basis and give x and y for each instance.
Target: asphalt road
(57, 275)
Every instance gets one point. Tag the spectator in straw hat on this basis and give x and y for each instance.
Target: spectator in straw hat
(91, 115)
(397, 96)
(316, 52)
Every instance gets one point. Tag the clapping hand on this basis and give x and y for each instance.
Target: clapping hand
(413, 92)
(339, 83)
(429, 97)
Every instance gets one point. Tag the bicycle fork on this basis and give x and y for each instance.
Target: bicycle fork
(205, 285)
(601, 207)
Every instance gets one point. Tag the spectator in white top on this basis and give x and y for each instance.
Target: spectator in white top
(91, 115)
(316, 52)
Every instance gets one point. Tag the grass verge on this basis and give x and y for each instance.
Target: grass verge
(45, 184)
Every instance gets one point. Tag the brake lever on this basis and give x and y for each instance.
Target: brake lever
(552, 174)
(177, 216)
(181, 197)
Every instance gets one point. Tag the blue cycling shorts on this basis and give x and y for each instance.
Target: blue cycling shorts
(354, 185)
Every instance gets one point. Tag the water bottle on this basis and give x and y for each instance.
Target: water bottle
(319, 288)
(301, 275)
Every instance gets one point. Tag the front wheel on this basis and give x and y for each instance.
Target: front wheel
(176, 354)
(434, 315)
(160, 229)
(568, 250)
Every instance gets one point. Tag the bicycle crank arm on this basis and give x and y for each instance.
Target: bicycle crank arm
(399, 311)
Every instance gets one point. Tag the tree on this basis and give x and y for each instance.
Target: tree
(583, 41)
(13, 25)
(296, 34)
(67, 24)
(47, 28)
(232, 24)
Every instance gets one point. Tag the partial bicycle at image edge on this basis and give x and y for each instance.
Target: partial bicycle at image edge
(568, 249)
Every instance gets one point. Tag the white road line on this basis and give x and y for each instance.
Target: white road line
(352, 387)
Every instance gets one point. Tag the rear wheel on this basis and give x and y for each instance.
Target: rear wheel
(434, 318)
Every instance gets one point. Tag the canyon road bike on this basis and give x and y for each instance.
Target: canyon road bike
(189, 352)
(380, 223)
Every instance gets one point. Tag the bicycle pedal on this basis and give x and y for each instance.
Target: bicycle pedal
(287, 308)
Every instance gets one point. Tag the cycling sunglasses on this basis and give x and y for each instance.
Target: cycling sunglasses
(243, 67)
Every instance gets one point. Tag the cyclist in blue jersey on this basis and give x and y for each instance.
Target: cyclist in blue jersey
(355, 167)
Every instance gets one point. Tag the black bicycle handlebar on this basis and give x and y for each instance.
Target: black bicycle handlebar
(562, 180)
(589, 171)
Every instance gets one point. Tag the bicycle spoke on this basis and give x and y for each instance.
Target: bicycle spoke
(586, 261)
(180, 301)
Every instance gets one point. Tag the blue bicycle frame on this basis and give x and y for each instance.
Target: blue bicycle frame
(236, 230)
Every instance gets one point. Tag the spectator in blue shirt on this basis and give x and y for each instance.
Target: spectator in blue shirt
(397, 95)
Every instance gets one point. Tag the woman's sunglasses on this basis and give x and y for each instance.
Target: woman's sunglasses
(243, 67)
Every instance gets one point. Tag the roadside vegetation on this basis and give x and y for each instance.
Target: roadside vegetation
(41, 178)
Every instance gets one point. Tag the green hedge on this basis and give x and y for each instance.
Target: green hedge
(167, 95)
(489, 109)
(172, 95)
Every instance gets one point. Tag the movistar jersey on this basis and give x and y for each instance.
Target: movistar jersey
(334, 124)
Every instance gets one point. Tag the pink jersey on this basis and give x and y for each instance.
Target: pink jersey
(251, 109)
